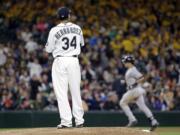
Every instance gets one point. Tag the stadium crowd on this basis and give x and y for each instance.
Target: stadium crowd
(148, 30)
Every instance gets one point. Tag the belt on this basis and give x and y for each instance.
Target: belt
(132, 86)
(67, 56)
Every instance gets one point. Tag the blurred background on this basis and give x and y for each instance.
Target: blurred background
(148, 30)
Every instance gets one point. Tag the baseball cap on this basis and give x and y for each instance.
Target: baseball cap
(63, 13)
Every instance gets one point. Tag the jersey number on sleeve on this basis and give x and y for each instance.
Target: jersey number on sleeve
(68, 43)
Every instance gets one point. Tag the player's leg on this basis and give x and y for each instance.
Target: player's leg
(126, 99)
(74, 84)
(60, 84)
(142, 106)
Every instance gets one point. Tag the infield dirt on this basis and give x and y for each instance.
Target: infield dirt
(77, 131)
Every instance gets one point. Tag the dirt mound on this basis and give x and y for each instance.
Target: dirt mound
(76, 131)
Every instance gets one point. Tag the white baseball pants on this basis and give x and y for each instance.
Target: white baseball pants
(66, 72)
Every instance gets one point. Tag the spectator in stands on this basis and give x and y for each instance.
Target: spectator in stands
(112, 102)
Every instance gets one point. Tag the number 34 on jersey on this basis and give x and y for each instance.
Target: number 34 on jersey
(69, 43)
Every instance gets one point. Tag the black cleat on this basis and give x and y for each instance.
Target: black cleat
(80, 126)
(63, 126)
(131, 123)
(154, 125)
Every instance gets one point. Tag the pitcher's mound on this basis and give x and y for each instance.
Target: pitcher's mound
(77, 131)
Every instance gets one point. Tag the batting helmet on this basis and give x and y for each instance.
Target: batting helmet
(63, 13)
(128, 58)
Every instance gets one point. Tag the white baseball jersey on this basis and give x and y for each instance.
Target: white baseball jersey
(132, 75)
(65, 39)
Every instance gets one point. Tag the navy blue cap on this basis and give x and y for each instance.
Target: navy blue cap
(63, 13)
(128, 58)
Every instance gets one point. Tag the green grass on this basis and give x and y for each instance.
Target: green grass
(168, 130)
(171, 133)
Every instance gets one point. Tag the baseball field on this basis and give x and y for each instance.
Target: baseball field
(91, 131)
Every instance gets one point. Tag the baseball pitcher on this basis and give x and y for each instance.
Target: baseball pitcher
(135, 93)
(64, 42)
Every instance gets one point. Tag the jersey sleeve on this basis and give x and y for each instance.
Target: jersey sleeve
(137, 74)
(82, 39)
(50, 45)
